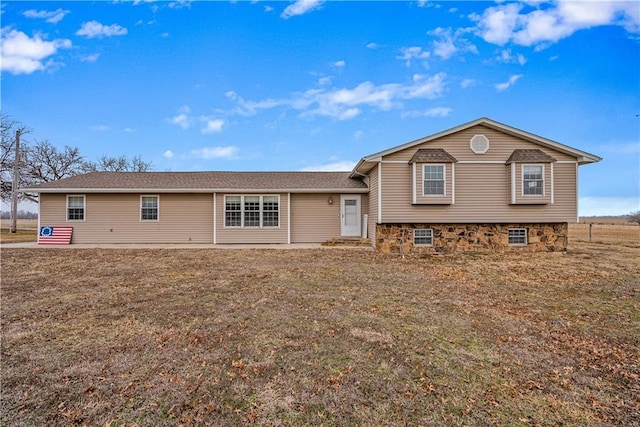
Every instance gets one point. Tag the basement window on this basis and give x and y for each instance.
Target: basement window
(517, 237)
(423, 237)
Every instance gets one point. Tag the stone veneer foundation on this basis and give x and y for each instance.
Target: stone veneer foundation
(447, 238)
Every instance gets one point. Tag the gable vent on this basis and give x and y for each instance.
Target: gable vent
(479, 144)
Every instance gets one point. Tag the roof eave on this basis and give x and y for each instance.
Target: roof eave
(189, 190)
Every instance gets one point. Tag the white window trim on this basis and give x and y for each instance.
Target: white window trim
(544, 189)
(444, 179)
(84, 208)
(422, 244)
(157, 196)
(526, 237)
(242, 211)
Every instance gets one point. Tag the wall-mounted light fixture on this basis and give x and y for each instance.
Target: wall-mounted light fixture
(330, 200)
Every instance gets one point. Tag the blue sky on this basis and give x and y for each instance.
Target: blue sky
(314, 85)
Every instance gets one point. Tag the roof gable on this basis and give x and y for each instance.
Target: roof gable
(581, 156)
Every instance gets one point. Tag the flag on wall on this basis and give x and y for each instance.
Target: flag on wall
(55, 235)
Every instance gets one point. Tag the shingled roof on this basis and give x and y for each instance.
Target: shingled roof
(306, 182)
(531, 155)
(432, 155)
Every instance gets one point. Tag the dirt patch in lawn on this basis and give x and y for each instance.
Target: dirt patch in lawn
(320, 337)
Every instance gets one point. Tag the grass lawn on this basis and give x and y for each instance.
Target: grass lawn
(320, 337)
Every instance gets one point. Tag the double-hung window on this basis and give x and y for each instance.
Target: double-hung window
(532, 180)
(149, 206)
(270, 211)
(75, 208)
(252, 211)
(233, 211)
(433, 180)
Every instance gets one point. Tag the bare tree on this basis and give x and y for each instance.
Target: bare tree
(118, 164)
(44, 162)
(634, 217)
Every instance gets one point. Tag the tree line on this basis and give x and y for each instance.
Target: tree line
(40, 161)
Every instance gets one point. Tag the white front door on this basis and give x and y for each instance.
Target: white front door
(350, 215)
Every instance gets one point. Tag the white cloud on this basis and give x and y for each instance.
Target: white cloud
(99, 128)
(448, 42)
(183, 118)
(465, 83)
(90, 58)
(212, 126)
(339, 64)
(300, 7)
(508, 58)
(322, 81)
(508, 23)
(358, 135)
(167, 154)
(411, 53)
(340, 166)
(347, 103)
(372, 45)
(208, 153)
(93, 29)
(268, 9)
(52, 17)
(179, 4)
(433, 112)
(22, 54)
(504, 86)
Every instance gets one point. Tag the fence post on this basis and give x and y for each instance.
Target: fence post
(590, 232)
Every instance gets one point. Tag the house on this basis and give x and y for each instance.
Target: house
(481, 186)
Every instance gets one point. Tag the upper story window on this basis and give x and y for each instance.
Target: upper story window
(252, 211)
(533, 180)
(530, 172)
(75, 208)
(149, 206)
(433, 180)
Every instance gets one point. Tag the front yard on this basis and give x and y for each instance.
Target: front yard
(320, 337)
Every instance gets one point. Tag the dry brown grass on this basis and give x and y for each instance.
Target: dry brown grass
(26, 231)
(320, 337)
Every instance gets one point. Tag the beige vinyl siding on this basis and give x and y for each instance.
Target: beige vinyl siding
(115, 218)
(446, 199)
(482, 194)
(313, 219)
(501, 146)
(247, 235)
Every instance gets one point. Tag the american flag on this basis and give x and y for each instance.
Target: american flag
(55, 235)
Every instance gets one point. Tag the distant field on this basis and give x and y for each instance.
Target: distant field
(320, 337)
(605, 231)
(23, 224)
(27, 231)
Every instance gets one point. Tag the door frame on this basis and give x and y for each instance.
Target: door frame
(355, 230)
